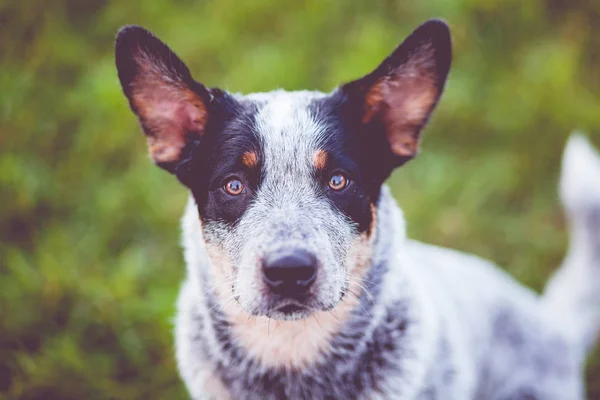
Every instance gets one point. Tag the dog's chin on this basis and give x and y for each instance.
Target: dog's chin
(290, 312)
(286, 309)
(294, 310)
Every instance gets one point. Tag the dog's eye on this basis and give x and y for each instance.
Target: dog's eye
(234, 187)
(338, 182)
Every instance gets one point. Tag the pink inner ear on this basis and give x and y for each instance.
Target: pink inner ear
(191, 116)
(169, 112)
(403, 101)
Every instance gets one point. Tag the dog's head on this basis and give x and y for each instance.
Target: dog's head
(286, 183)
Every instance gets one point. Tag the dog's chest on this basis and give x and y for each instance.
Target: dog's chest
(361, 362)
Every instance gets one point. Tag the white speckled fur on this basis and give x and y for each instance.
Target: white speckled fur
(468, 318)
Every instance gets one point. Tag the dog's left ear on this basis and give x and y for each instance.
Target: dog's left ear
(397, 98)
(171, 106)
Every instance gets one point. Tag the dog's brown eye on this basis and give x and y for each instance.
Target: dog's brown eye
(234, 187)
(338, 182)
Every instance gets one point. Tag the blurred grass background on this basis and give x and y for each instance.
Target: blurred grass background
(89, 256)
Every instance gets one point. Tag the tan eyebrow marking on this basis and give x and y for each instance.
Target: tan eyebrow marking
(373, 220)
(250, 159)
(320, 159)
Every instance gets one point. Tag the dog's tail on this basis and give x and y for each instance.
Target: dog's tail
(573, 293)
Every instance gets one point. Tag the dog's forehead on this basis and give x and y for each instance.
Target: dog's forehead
(287, 125)
(290, 133)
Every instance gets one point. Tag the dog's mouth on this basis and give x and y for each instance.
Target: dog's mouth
(290, 310)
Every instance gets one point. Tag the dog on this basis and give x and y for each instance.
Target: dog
(301, 283)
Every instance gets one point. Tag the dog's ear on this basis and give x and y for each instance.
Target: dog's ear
(172, 108)
(397, 98)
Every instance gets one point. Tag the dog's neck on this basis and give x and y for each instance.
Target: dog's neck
(245, 349)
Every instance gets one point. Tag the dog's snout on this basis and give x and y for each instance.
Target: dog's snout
(290, 273)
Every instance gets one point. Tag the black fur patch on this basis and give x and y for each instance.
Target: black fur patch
(347, 153)
(209, 162)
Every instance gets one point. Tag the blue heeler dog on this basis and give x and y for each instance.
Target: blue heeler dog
(301, 283)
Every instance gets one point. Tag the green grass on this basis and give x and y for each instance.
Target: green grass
(89, 241)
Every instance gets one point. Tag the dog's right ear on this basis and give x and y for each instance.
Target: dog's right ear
(397, 98)
(172, 108)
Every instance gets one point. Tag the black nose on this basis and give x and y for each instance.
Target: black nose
(290, 273)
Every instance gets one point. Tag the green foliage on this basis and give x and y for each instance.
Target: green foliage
(89, 256)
